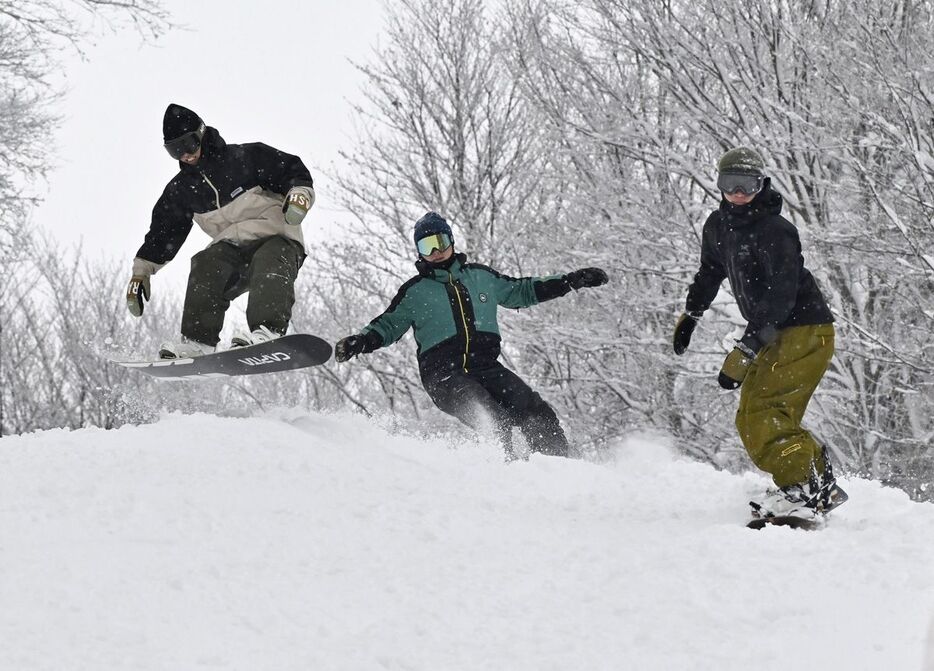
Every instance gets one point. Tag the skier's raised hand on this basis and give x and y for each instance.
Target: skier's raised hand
(297, 203)
(137, 292)
(349, 347)
(587, 277)
(683, 330)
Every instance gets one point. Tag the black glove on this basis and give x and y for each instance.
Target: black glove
(349, 347)
(586, 277)
(683, 330)
(736, 366)
(137, 293)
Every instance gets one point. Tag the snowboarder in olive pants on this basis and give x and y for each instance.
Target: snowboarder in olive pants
(788, 341)
(451, 305)
(251, 199)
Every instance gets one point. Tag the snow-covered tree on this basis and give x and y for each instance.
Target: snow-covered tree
(443, 127)
(32, 35)
(837, 96)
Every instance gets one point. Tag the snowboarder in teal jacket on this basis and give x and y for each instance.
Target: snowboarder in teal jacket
(451, 305)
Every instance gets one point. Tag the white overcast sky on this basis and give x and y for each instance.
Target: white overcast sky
(276, 71)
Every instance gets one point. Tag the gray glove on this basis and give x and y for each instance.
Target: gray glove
(736, 366)
(137, 293)
(297, 203)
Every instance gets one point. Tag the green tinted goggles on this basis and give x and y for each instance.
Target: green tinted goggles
(432, 243)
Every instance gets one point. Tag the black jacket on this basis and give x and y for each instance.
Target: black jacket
(223, 173)
(759, 251)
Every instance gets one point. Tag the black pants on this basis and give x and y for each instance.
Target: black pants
(494, 391)
(266, 268)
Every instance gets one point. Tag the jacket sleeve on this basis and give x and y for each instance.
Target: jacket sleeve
(393, 323)
(779, 256)
(169, 228)
(277, 171)
(518, 292)
(707, 281)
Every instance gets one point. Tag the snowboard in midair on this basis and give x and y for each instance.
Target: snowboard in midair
(290, 352)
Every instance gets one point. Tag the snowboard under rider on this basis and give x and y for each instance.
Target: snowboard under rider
(451, 305)
(251, 200)
(788, 341)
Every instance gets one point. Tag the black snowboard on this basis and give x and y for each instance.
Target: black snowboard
(289, 352)
(786, 521)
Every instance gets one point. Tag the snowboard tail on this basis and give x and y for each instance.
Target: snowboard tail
(290, 352)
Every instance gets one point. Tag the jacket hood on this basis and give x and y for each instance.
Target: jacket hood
(767, 203)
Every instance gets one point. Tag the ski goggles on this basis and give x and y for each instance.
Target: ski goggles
(432, 243)
(185, 144)
(749, 185)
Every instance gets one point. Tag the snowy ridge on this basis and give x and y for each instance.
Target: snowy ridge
(324, 542)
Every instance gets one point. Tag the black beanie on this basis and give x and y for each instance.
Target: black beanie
(432, 223)
(179, 120)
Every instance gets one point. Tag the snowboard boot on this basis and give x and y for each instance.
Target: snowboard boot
(816, 497)
(783, 501)
(185, 349)
(828, 494)
(259, 335)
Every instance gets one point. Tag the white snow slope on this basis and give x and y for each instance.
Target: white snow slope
(324, 542)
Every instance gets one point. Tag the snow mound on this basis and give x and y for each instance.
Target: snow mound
(325, 542)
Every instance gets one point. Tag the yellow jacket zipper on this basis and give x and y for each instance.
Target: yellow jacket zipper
(463, 318)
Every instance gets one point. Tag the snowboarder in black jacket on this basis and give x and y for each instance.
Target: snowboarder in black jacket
(788, 341)
(251, 199)
(452, 305)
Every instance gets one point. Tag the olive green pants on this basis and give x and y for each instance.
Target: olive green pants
(266, 268)
(773, 398)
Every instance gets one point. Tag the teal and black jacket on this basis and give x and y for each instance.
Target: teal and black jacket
(452, 310)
